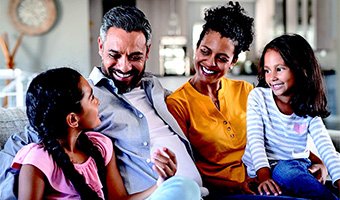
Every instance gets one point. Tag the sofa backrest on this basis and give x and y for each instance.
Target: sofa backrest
(12, 120)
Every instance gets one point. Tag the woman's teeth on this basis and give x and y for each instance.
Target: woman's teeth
(205, 70)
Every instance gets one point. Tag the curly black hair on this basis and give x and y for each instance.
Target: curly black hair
(231, 22)
(309, 89)
(49, 100)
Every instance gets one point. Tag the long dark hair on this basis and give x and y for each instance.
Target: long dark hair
(50, 97)
(231, 22)
(309, 90)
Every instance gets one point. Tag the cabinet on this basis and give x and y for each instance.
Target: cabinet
(325, 15)
(330, 84)
(314, 20)
(173, 56)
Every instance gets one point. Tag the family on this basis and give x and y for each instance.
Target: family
(118, 134)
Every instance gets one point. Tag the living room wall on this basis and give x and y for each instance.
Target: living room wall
(66, 44)
(73, 39)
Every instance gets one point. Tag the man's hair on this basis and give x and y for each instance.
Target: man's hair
(127, 18)
(231, 22)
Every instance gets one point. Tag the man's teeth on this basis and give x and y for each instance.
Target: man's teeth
(122, 75)
(207, 70)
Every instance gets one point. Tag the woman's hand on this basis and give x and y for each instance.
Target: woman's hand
(319, 171)
(337, 184)
(249, 186)
(269, 187)
(165, 164)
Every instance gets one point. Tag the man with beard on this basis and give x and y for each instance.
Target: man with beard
(133, 114)
(132, 103)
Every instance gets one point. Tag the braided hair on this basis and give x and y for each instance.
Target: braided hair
(49, 100)
(231, 22)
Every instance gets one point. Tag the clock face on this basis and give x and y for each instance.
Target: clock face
(33, 16)
(32, 12)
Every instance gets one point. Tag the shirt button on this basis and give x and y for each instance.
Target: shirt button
(225, 122)
(140, 115)
(228, 129)
(145, 143)
(232, 135)
(148, 160)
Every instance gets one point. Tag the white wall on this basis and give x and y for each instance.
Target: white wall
(158, 13)
(73, 39)
(264, 24)
(327, 29)
(337, 66)
(67, 44)
(96, 15)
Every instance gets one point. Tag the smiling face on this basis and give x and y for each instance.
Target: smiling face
(124, 55)
(88, 117)
(278, 76)
(213, 57)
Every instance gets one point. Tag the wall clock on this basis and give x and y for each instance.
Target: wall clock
(33, 17)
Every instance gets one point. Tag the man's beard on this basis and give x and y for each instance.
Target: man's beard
(124, 87)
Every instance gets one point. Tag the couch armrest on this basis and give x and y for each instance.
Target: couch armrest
(12, 120)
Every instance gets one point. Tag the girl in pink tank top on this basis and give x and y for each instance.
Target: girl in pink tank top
(71, 162)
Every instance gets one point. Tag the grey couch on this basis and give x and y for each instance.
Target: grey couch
(13, 120)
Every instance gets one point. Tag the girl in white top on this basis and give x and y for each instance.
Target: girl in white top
(288, 104)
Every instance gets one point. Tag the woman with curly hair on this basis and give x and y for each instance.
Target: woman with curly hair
(72, 162)
(211, 109)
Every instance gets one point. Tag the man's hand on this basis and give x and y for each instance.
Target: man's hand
(319, 171)
(165, 164)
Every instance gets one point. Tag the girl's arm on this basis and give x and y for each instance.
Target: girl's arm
(115, 185)
(325, 147)
(165, 165)
(114, 182)
(256, 144)
(31, 183)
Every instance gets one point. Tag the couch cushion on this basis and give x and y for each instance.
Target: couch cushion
(12, 120)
